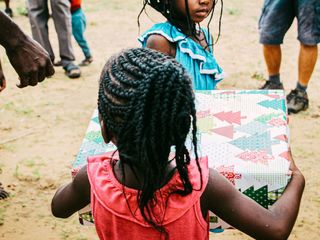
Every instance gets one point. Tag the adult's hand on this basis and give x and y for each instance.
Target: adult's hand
(31, 62)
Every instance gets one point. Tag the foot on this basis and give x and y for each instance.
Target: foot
(72, 70)
(57, 64)
(9, 12)
(271, 85)
(297, 101)
(86, 61)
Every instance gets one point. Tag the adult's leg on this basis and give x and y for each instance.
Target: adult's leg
(62, 21)
(308, 15)
(272, 56)
(276, 18)
(307, 60)
(39, 16)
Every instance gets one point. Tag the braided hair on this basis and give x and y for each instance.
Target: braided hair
(146, 101)
(165, 7)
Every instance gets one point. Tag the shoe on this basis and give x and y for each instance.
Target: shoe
(271, 85)
(72, 70)
(86, 61)
(9, 12)
(297, 101)
(57, 64)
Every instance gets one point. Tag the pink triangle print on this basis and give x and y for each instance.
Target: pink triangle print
(282, 138)
(230, 117)
(225, 131)
(273, 96)
(285, 155)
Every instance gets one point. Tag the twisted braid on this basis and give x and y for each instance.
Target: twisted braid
(146, 100)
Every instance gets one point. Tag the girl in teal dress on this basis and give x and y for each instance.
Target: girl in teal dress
(182, 38)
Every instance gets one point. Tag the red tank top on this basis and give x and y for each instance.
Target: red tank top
(118, 217)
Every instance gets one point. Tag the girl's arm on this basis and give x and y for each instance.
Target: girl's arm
(248, 216)
(161, 44)
(72, 196)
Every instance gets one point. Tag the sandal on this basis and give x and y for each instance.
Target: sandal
(72, 71)
(57, 64)
(86, 61)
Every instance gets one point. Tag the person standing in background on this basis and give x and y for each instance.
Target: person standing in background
(79, 23)
(39, 16)
(276, 18)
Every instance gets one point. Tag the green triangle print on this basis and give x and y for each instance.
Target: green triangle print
(277, 104)
(268, 117)
(260, 195)
(254, 142)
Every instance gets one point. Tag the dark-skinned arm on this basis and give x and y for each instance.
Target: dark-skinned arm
(248, 216)
(73, 196)
(31, 62)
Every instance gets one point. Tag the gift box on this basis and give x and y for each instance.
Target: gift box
(245, 135)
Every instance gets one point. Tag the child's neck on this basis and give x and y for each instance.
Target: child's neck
(135, 179)
(184, 27)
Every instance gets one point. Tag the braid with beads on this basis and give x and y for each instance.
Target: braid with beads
(146, 101)
(165, 7)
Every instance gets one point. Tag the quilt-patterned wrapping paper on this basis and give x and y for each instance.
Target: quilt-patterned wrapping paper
(244, 133)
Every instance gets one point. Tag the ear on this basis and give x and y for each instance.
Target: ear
(104, 131)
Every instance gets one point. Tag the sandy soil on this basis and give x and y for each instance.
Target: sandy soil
(41, 128)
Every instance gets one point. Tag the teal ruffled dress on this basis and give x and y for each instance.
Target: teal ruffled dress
(200, 63)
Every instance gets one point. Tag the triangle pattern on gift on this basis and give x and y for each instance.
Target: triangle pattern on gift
(265, 118)
(254, 143)
(229, 117)
(285, 155)
(224, 131)
(95, 120)
(94, 136)
(260, 195)
(282, 137)
(253, 127)
(276, 104)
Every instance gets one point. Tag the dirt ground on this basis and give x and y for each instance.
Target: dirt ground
(41, 128)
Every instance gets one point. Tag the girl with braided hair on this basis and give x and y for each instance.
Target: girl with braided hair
(153, 187)
(182, 37)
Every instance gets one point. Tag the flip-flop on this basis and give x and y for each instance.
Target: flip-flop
(72, 71)
(86, 62)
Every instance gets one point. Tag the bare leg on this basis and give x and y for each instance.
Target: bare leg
(272, 57)
(307, 60)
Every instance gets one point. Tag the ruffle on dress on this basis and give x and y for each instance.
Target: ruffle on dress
(208, 64)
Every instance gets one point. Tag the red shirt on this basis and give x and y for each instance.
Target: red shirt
(115, 220)
(75, 5)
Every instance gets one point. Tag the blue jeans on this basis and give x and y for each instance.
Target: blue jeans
(278, 15)
(79, 23)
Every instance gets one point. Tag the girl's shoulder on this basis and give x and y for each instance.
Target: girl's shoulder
(165, 29)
